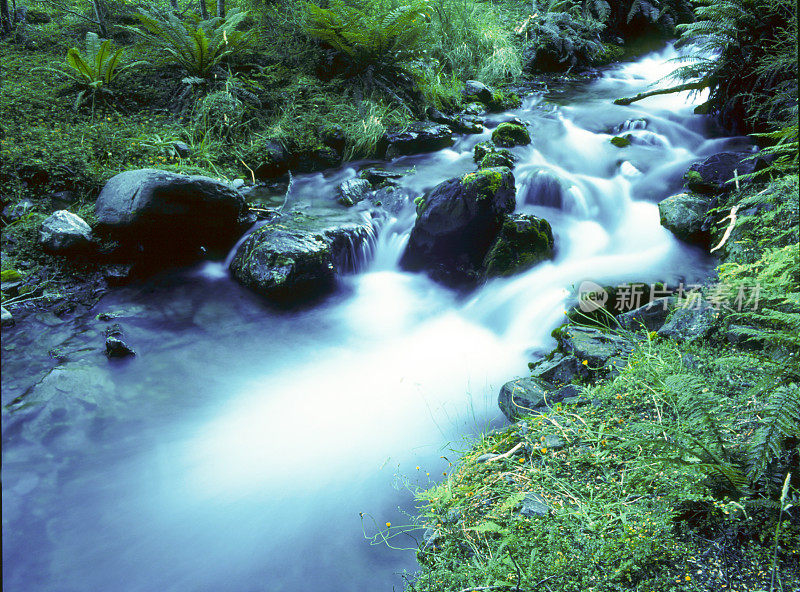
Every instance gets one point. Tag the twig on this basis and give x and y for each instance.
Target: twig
(731, 224)
(506, 454)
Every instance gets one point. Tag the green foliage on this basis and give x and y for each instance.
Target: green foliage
(472, 40)
(563, 40)
(196, 45)
(95, 70)
(747, 57)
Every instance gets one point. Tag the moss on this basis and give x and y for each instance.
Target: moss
(486, 182)
(693, 178)
(522, 243)
(482, 149)
(503, 101)
(501, 158)
(511, 134)
(621, 141)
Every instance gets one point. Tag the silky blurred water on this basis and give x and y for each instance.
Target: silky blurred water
(238, 448)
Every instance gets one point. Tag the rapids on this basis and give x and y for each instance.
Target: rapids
(237, 449)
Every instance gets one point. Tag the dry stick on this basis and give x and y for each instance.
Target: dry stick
(506, 454)
(731, 224)
(661, 91)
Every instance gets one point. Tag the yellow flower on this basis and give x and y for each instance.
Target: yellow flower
(388, 524)
(688, 578)
(585, 362)
(544, 450)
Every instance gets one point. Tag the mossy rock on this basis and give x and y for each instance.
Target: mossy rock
(524, 241)
(482, 149)
(511, 134)
(502, 101)
(621, 141)
(500, 158)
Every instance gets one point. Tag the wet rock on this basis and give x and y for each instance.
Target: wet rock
(544, 189)
(691, 322)
(238, 184)
(638, 123)
(529, 396)
(394, 199)
(61, 200)
(314, 160)
(592, 345)
(7, 319)
(461, 124)
(18, 210)
(475, 90)
(524, 240)
(475, 109)
(353, 191)
(380, 178)
(511, 134)
(683, 215)
(559, 369)
(457, 223)
(422, 136)
(117, 348)
(534, 506)
(167, 215)
(182, 149)
(621, 141)
(296, 256)
(650, 317)
(716, 173)
(63, 231)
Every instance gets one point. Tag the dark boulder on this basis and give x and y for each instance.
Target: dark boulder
(559, 369)
(683, 215)
(296, 256)
(524, 240)
(166, 215)
(380, 178)
(422, 136)
(595, 347)
(716, 173)
(64, 231)
(458, 222)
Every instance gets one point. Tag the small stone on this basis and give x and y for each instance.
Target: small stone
(475, 90)
(353, 191)
(7, 318)
(553, 442)
(534, 506)
(64, 231)
(182, 149)
(238, 183)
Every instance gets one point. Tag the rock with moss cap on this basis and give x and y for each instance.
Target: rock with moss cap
(500, 158)
(511, 133)
(524, 240)
(457, 224)
(296, 256)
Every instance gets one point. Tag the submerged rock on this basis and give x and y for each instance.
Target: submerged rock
(64, 231)
(524, 240)
(457, 224)
(683, 215)
(296, 256)
(165, 214)
(7, 318)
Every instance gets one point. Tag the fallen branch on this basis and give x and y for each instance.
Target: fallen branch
(662, 91)
(731, 224)
(506, 454)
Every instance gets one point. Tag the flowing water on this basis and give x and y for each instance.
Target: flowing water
(237, 450)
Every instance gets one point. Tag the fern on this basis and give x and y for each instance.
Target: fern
(196, 45)
(780, 422)
(94, 70)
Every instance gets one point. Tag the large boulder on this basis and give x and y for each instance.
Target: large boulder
(296, 256)
(716, 173)
(165, 213)
(475, 90)
(64, 231)
(421, 136)
(650, 317)
(524, 240)
(683, 215)
(458, 222)
(597, 348)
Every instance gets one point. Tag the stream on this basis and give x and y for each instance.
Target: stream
(238, 448)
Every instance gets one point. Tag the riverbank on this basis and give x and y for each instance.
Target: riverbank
(675, 470)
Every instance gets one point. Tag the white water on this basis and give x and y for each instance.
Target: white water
(256, 437)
